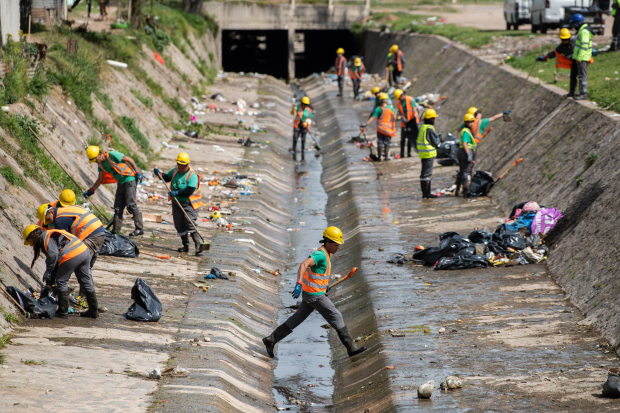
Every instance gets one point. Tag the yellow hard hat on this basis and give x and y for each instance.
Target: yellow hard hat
(92, 152)
(183, 159)
(469, 118)
(394, 48)
(215, 215)
(28, 231)
(430, 114)
(375, 90)
(340, 50)
(42, 211)
(397, 94)
(472, 110)
(67, 197)
(305, 100)
(383, 96)
(357, 61)
(564, 34)
(333, 234)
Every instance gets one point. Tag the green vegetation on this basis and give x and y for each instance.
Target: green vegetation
(11, 176)
(146, 101)
(33, 362)
(579, 180)
(590, 159)
(130, 126)
(603, 75)
(8, 316)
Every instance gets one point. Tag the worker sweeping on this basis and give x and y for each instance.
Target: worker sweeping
(357, 71)
(301, 124)
(581, 57)
(427, 144)
(341, 69)
(398, 64)
(64, 254)
(185, 187)
(465, 154)
(386, 125)
(409, 123)
(66, 198)
(120, 168)
(313, 284)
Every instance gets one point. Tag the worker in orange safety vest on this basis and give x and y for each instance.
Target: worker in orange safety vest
(341, 69)
(409, 124)
(386, 125)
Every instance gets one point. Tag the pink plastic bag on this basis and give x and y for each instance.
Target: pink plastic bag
(545, 220)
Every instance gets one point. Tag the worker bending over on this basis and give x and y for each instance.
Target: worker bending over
(185, 188)
(398, 64)
(64, 254)
(581, 56)
(66, 198)
(427, 144)
(313, 284)
(357, 71)
(409, 123)
(465, 154)
(341, 69)
(301, 124)
(386, 125)
(119, 168)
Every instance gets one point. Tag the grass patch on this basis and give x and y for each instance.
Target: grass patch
(146, 101)
(590, 159)
(117, 144)
(11, 176)
(4, 340)
(10, 317)
(130, 126)
(33, 362)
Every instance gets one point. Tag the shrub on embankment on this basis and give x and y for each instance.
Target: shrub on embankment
(556, 137)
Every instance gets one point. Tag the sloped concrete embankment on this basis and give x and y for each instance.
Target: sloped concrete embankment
(569, 152)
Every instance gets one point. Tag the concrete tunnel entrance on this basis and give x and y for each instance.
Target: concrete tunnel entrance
(267, 51)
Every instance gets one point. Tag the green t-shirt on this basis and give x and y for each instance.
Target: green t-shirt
(484, 123)
(117, 158)
(389, 61)
(467, 137)
(179, 182)
(379, 110)
(305, 115)
(320, 265)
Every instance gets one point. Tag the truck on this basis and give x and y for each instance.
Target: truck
(593, 12)
(516, 12)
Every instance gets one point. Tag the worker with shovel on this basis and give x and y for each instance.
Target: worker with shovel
(357, 71)
(64, 254)
(185, 188)
(341, 69)
(465, 154)
(409, 123)
(386, 125)
(66, 198)
(427, 144)
(301, 125)
(117, 167)
(313, 284)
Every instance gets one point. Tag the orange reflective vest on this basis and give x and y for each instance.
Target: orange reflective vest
(563, 62)
(476, 130)
(399, 60)
(84, 221)
(358, 75)
(386, 123)
(341, 64)
(299, 115)
(317, 283)
(41, 224)
(409, 105)
(74, 248)
(120, 168)
(194, 198)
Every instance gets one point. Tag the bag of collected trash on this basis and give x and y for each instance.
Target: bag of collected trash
(146, 306)
(445, 238)
(509, 239)
(466, 252)
(545, 220)
(480, 237)
(216, 273)
(456, 243)
(191, 134)
(531, 256)
(480, 184)
(611, 388)
(398, 259)
(461, 263)
(533, 241)
(525, 220)
(44, 307)
(117, 245)
(428, 255)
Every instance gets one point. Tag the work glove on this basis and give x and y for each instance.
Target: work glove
(541, 58)
(328, 288)
(297, 291)
(88, 192)
(139, 176)
(173, 194)
(507, 112)
(157, 172)
(470, 156)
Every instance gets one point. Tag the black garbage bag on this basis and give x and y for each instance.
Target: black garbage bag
(218, 273)
(117, 245)
(445, 238)
(466, 252)
(146, 306)
(44, 307)
(611, 388)
(509, 239)
(191, 134)
(480, 184)
(533, 241)
(455, 243)
(461, 263)
(480, 237)
(429, 255)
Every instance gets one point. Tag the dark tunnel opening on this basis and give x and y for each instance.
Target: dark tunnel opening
(266, 51)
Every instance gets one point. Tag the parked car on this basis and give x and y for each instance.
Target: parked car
(548, 14)
(592, 13)
(516, 12)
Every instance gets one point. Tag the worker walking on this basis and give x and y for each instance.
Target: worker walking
(398, 64)
(615, 28)
(185, 187)
(409, 123)
(357, 71)
(313, 284)
(341, 69)
(64, 254)
(581, 56)
(465, 154)
(66, 198)
(117, 167)
(386, 125)
(427, 144)
(388, 69)
(301, 124)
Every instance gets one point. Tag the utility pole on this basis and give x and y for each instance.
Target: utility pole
(291, 43)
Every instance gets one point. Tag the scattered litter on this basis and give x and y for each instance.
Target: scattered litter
(116, 245)
(611, 388)
(167, 145)
(451, 383)
(218, 97)
(206, 339)
(216, 273)
(43, 307)
(117, 64)
(146, 306)
(342, 193)
(155, 374)
(250, 241)
(425, 391)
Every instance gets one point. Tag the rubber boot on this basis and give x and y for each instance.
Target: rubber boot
(185, 241)
(581, 96)
(197, 241)
(458, 188)
(137, 221)
(347, 340)
(276, 336)
(387, 153)
(117, 224)
(63, 305)
(93, 309)
(427, 191)
(379, 153)
(465, 183)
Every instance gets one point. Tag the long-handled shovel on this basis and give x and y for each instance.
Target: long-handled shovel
(507, 118)
(316, 144)
(492, 184)
(349, 275)
(204, 245)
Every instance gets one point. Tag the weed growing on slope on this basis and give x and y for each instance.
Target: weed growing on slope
(134, 132)
(146, 101)
(11, 176)
(590, 159)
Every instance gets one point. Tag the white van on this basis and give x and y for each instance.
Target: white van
(548, 14)
(516, 12)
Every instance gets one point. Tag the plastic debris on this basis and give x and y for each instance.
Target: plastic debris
(425, 391)
(155, 373)
(451, 383)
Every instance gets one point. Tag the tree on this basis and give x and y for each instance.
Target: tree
(193, 6)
